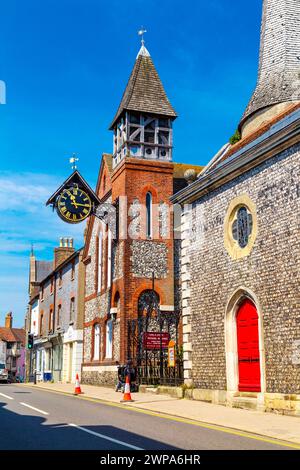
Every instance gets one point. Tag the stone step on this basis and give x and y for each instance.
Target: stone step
(247, 394)
(246, 403)
(151, 390)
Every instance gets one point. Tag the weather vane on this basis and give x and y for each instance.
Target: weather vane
(73, 161)
(141, 32)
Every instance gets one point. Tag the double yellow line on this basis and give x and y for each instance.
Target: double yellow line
(177, 419)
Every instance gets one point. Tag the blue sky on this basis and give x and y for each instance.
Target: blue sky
(65, 64)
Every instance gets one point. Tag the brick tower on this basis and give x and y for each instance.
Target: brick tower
(279, 66)
(143, 173)
(124, 275)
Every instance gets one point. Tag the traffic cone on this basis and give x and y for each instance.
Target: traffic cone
(77, 386)
(127, 395)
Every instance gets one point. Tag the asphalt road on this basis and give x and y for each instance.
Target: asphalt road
(34, 419)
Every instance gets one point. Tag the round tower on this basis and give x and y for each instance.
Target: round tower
(278, 84)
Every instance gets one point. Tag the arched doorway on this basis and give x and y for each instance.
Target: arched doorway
(149, 335)
(247, 329)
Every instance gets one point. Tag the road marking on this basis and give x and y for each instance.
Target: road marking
(102, 436)
(35, 409)
(215, 427)
(6, 396)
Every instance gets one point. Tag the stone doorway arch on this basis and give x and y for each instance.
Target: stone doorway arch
(231, 343)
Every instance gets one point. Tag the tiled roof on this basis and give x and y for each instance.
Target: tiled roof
(144, 91)
(12, 335)
(108, 160)
(43, 269)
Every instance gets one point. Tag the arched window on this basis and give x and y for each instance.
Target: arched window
(97, 338)
(149, 215)
(109, 339)
(117, 302)
(109, 250)
(99, 261)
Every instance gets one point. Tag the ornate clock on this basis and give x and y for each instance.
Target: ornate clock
(74, 200)
(74, 204)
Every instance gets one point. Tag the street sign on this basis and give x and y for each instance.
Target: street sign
(152, 340)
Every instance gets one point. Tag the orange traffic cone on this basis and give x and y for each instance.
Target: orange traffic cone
(77, 386)
(127, 395)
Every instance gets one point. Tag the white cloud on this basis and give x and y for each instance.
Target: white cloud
(24, 220)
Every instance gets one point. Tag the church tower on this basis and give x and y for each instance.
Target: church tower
(278, 82)
(143, 123)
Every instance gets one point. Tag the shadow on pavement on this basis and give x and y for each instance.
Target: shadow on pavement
(30, 432)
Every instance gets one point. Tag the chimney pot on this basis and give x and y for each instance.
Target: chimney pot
(64, 250)
(8, 320)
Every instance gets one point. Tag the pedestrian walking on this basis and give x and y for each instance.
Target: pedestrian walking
(120, 382)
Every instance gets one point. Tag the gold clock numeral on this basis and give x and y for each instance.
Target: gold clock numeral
(63, 209)
(85, 211)
(74, 217)
(68, 214)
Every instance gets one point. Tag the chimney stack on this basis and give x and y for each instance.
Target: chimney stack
(65, 249)
(8, 320)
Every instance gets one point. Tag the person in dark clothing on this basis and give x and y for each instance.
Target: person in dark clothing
(130, 372)
(120, 382)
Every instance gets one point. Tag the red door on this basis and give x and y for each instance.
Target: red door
(248, 348)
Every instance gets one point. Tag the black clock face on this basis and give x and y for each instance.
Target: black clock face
(74, 205)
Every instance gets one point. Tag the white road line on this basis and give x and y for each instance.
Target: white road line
(102, 436)
(6, 396)
(35, 409)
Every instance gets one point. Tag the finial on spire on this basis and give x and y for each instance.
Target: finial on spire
(31, 252)
(141, 32)
(73, 161)
(143, 51)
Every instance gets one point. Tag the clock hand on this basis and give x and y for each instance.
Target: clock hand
(78, 204)
(73, 198)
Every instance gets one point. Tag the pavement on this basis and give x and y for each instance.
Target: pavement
(35, 418)
(209, 416)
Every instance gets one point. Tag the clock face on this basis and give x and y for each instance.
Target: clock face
(74, 205)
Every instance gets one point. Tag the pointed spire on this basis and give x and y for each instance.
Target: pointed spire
(31, 251)
(144, 91)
